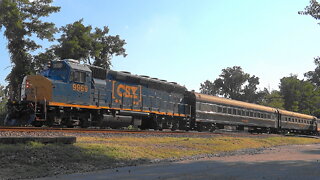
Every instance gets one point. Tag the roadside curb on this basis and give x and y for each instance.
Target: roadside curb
(45, 140)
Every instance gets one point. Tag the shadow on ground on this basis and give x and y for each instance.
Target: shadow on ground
(38, 160)
(316, 151)
(273, 170)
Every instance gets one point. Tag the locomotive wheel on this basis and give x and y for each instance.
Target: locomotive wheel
(175, 124)
(84, 123)
(213, 127)
(199, 127)
(38, 123)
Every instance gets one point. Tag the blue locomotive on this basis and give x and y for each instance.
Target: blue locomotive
(71, 94)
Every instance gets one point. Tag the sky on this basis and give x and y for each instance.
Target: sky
(191, 41)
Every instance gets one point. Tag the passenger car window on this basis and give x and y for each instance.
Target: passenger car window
(239, 112)
(224, 110)
(208, 107)
(214, 108)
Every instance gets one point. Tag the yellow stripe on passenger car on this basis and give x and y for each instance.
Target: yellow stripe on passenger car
(106, 107)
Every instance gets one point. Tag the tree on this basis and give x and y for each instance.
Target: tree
(41, 60)
(250, 93)
(299, 95)
(310, 98)
(313, 10)
(273, 99)
(290, 90)
(78, 42)
(314, 76)
(235, 84)
(208, 87)
(3, 99)
(228, 84)
(22, 22)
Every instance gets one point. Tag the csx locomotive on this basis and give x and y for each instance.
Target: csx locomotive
(71, 94)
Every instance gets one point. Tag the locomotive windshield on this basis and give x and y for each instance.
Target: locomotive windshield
(57, 71)
(57, 65)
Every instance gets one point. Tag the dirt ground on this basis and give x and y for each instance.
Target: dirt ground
(286, 162)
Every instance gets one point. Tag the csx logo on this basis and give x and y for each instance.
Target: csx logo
(121, 91)
(127, 91)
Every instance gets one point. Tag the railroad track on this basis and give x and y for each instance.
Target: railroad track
(120, 131)
(83, 130)
(91, 130)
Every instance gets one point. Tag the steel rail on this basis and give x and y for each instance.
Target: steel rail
(117, 131)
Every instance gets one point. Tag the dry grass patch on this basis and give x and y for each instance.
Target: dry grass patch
(91, 153)
(173, 147)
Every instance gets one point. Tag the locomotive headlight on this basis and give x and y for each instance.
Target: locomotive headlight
(27, 84)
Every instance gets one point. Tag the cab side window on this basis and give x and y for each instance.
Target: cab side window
(78, 76)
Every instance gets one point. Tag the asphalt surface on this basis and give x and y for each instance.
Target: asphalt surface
(287, 162)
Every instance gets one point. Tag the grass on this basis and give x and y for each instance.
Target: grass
(168, 147)
(92, 153)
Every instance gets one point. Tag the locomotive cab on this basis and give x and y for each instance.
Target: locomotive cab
(64, 81)
(71, 82)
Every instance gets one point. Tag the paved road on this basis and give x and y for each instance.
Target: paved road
(289, 162)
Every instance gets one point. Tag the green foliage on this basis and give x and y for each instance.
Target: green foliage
(235, 84)
(290, 89)
(273, 99)
(22, 21)
(3, 100)
(312, 86)
(299, 95)
(314, 76)
(79, 42)
(34, 144)
(42, 59)
(75, 42)
(208, 87)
